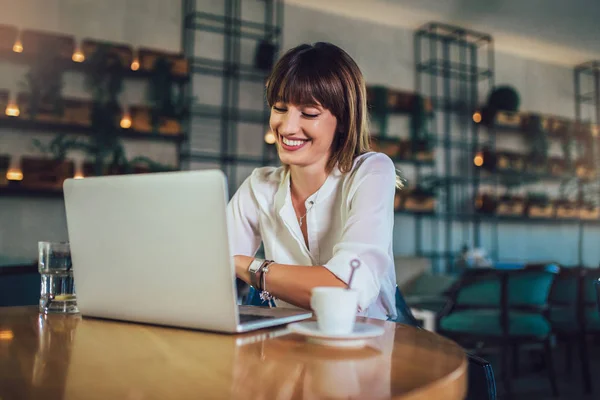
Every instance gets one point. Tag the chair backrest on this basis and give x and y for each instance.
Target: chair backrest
(588, 286)
(523, 288)
(598, 294)
(566, 287)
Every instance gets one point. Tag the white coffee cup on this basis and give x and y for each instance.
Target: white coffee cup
(335, 309)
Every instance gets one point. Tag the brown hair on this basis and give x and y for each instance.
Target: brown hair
(325, 74)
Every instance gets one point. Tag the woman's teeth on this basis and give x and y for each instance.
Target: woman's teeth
(293, 142)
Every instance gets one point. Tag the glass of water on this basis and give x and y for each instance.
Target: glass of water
(57, 292)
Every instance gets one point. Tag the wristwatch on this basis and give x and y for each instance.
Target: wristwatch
(254, 270)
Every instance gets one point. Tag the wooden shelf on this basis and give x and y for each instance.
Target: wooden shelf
(58, 128)
(70, 65)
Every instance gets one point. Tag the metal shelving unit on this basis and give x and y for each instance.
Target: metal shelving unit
(587, 109)
(454, 66)
(236, 34)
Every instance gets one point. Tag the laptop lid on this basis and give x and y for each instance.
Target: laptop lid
(153, 248)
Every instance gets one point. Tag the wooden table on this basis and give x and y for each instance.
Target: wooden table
(69, 357)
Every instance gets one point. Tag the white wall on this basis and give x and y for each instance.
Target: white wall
(148, 23)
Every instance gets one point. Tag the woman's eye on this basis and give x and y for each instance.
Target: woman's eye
(279, 109)
(310, 115)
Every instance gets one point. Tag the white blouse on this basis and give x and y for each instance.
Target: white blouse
(352, 217)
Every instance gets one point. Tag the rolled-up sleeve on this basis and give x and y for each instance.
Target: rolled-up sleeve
(368, 230)
(242, 217)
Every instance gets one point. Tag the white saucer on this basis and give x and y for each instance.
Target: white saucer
(357, 338)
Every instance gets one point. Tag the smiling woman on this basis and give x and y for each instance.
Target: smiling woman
(332, 200)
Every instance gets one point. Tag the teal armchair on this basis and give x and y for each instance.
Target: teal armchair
(574, 314)
(502, 307)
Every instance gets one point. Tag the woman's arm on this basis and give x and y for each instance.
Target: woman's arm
(291, 283)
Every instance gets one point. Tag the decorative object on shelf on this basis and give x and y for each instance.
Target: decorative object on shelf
(167, 100)
(585, 169)
(509, 119)
(264, 57)
(509, 161)
(419, 199)
(142, 121)
(566, 208)
(120, 53)
(485, 203)
(148, 58)
(537, 138)
(556, 166)
(45, 173)
(501, 98)
(539, 206)
(511, 205)
(77, 112)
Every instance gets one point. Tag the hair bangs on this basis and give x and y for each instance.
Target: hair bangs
(306, 84)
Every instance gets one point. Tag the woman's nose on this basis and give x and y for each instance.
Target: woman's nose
(289, 123)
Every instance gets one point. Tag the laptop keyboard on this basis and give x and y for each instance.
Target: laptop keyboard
(245, 318)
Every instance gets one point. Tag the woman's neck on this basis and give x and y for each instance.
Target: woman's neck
(305, 181)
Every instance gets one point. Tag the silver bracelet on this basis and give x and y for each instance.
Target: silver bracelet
(264, 294)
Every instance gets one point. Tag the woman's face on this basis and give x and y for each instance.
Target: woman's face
(304, 133)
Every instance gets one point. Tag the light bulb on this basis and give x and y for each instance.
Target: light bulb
(477, 117)
(270, 137)
(478, 159)
(14, 175)
(12, 110)
(126, 121)
(18, 46)
(78, 175)
(135, 65)
(78, 56)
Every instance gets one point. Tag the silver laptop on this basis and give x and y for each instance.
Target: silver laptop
(154, 248)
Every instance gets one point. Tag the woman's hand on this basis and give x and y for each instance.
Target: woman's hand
(241, 267)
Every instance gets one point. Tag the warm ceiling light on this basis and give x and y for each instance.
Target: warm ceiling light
(270, 137)
(78, 175)
(14, 175)
(18, 46)
(478, 159)
(78, 56)
(126, 121)
(135, 64)
(477, 117)
(12, 110)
